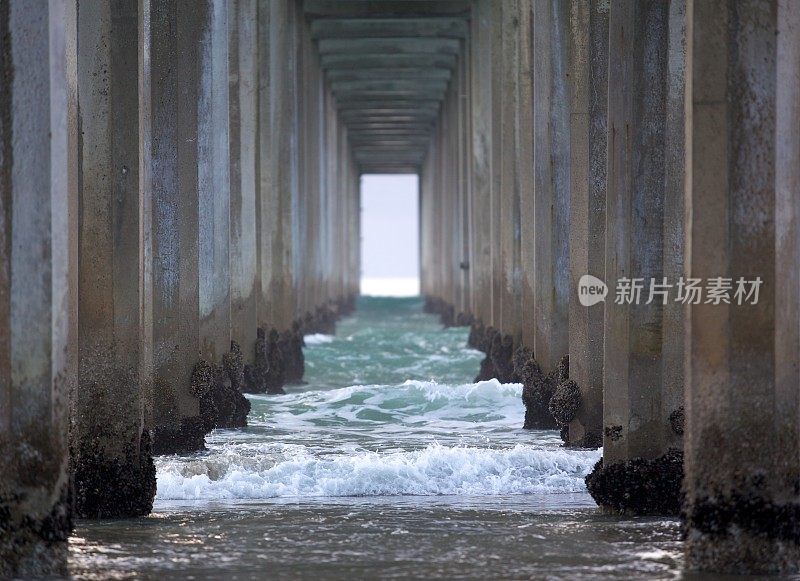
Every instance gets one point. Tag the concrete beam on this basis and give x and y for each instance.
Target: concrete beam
(414, 125)
(113, 467)
(389, 74)
(386, 60)
(398, 130)
(388, 134)
(436, 27)
(381, 143)
(391, 118)
(390, 86)
(389, 46)
(361, 103)
(38, 261)
(371, 114)
(421, 94)
(378, 9)
(386, 154)
(743, 360)
(366, 168)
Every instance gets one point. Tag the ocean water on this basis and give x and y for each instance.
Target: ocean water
(388, 463)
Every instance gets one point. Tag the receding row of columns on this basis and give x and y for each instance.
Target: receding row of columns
(178, 205)
(636, 140)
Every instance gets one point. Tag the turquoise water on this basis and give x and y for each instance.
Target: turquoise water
(388, 463)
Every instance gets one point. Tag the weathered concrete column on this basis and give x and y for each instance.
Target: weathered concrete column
(480, 100)
(495, 48)
(464, 315)
(243, 99)
(283, 112)
(551, 166)
(37, 284)
(267, 222)
(587, 48)
(641, 469)
(524, 169)
(213, 153)
(509, 233)
(742, 357)
(114, 475)
(541, 362)
(172, 78)
(276, 208)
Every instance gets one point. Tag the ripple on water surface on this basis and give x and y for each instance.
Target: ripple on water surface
(388, 462)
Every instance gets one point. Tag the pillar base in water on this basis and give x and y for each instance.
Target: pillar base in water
(538, 388)
(743, 532)
(498, 362)
(114, 487)
(222, 405)
(477, 331)
(639, 486)
(740, 553)
(31, 546)
(267, 374)
(291, 345)
(189, 437)
(447, 313)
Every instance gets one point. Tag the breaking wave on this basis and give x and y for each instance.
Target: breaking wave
(295, 471)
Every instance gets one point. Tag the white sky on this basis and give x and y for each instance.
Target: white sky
(389, 234)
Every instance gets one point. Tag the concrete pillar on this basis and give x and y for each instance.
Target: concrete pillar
(302, 257)
(37, 284)
(540, 363)
(213, 158)
(551, 183)
(495, 47)
(524, 170)
(587, 48)
(480, 100)
(172, 80)
(743, 177)
(114, 475)
(509, 232)
(283, 89)
(641, 469)
(276, 204)
(244, 132)
(267, 213)
(464, 142)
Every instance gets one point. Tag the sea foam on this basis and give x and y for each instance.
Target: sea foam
(295, 471)
(318, 339)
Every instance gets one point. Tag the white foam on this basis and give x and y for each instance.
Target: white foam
(435, 470)
(318, 339)
(413, 403)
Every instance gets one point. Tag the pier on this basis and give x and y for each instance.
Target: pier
(179, 207)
